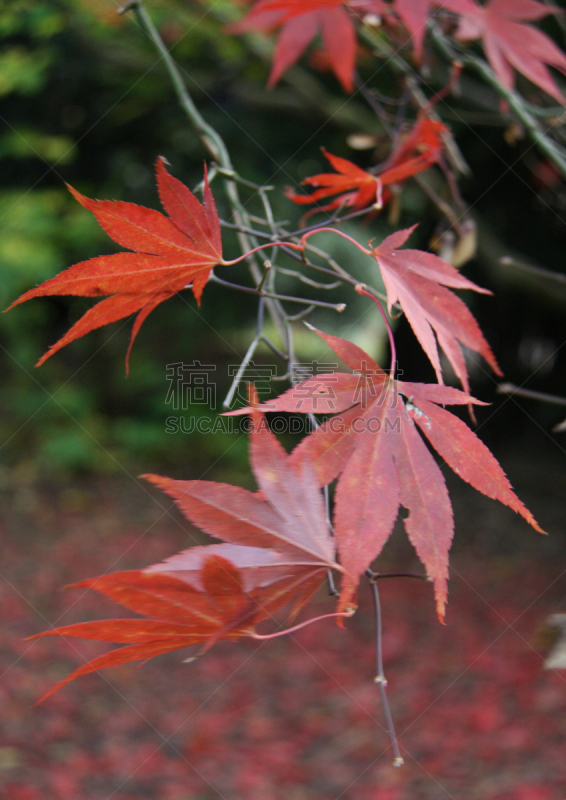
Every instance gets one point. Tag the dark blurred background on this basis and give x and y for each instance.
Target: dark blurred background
(85, 100)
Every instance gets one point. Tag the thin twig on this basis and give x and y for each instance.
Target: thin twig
(441, 204)
(377, 576)
(247, 230)
(309, 281)
(285, 631)
(301, 314)
(332, 220)
(544, 111)
(362, 289)
(380, 679)
(329, 260)
(241, 369)
(283, 356)
(211, 140)
(208, 136)
(554, 151)
(340, 307)
(230, 173)
(511, 389)
(541, 272)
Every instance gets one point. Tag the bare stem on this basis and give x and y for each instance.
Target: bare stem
(339, 233)
(208, 136)
(511, 389)
(334, 219)
(213, 143)
(380, 679)
(279, 353)
(377, 576)
(238, 178)
(275, 635)
(309, 281)
(329, 260)
(301, 314)
(241, 369)
(290, 298)
(508, 261)
(361, 289)
(261, 247)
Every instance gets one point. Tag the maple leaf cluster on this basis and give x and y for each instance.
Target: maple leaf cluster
(277, 543)
(277, 550)
(371, 444)
(509, 44)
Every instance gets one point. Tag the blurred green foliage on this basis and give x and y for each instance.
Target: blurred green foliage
(86, 101)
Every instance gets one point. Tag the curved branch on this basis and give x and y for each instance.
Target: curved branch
(211, 140)
(550, 148)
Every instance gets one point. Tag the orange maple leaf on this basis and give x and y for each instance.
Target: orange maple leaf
(170, 253)
(358, 189)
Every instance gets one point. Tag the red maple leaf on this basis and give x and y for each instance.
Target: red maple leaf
(169, 254)
(182, 615)
(278, 548)
(414, 14)
(423, 144)
(300, 21)
(508, 43)
(372, 443)
(418, 281)
(358, 189)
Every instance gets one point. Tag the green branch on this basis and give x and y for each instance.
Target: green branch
(213, 143)
(549, 147)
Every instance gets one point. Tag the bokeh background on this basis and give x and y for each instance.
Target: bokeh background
(85, 100)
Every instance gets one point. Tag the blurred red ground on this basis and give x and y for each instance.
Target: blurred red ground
(297, 718)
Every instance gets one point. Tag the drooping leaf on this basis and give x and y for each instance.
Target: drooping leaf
(278, 549)
(417, 281)
(510, 44)
(182, 616)
(259, 566)
(422, 146)
(171, 253)
(372, 445)
(288, 514)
